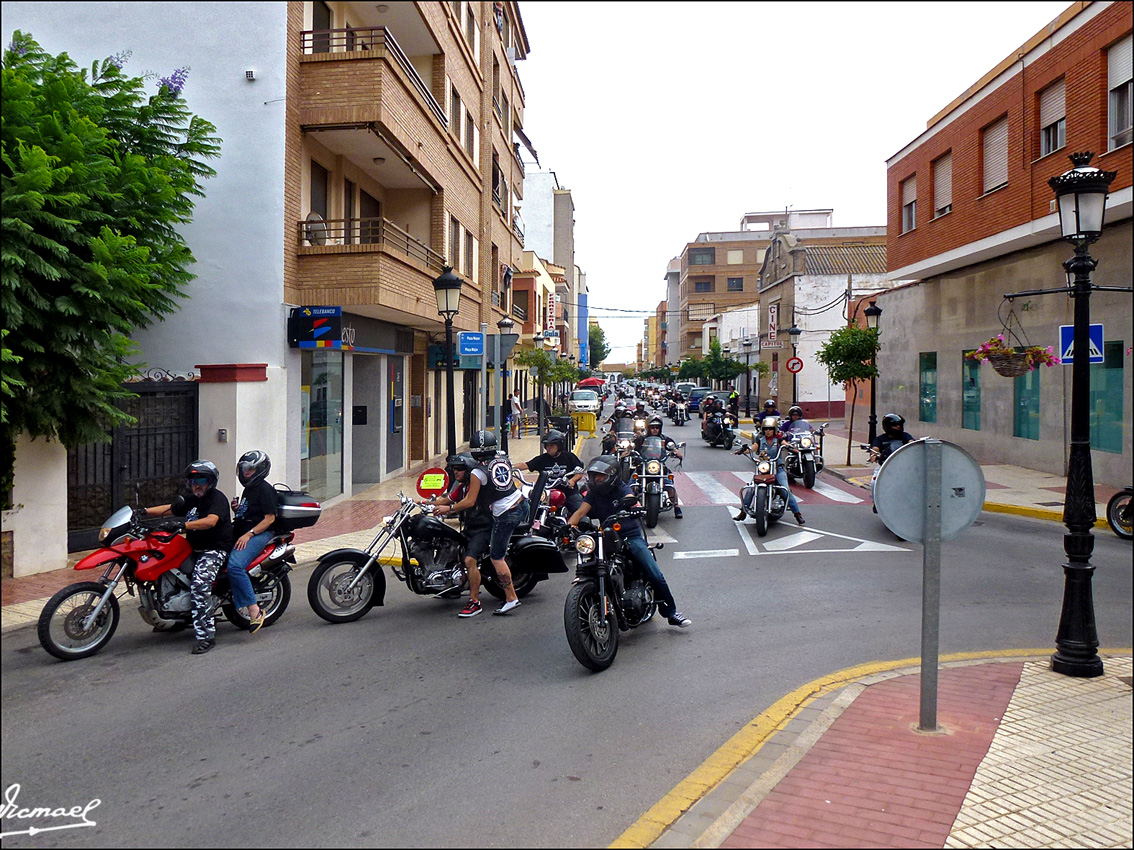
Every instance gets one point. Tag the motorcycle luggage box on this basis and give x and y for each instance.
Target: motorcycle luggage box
(537, 555)
(295, 509)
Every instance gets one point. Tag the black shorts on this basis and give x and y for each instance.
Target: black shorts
(479, 538)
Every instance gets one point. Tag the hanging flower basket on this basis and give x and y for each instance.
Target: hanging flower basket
(1009, 362)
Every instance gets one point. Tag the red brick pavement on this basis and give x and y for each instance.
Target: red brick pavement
(872, 781)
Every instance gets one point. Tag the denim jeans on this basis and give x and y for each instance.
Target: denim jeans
(644, 558)
(782, 480)
(502, 528)
(238, 561)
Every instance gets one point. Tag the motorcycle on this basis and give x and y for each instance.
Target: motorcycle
(347, 583)
(806, 461)
(1119, 514)
(156, 564)
(720, 430)
(679, 412)
(652, 476)
(550, 521)
(609, 594)
(764, 500)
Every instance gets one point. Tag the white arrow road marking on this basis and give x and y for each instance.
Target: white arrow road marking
(712, 488)
(745, 535)
(785, 545)
(834, 493)
(790, 542)
(708, 553)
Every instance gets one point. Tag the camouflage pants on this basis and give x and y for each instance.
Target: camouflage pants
(209, 563)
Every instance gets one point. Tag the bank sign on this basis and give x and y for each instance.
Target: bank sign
(316, 327)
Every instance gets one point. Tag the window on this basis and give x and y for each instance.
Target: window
(909, 204)
(942, 185)
(1106, 400)
(994, 144)
(1026, 402)
(1052, 121)
(702, 256)
(1121, 88)
(470, 28)
(469, 255)
(470, 135)
(454, 243)
(454, 111)
(736, 284)
(319, 181)
(703, 286)
(970, 393)
(927, 371)
(735, 258)
(348, 212)
(370, 218)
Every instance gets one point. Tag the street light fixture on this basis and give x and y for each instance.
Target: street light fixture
(747, 343)
(539, 338)
(873, 313)
(794, 333)
(447, 288)
(504, 326)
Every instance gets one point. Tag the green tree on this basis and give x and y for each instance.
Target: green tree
(597, 345)
(849, 355)
(692, 370)
(97, 176)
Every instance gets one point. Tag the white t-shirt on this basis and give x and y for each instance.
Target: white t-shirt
(500, 505)
(516, 408)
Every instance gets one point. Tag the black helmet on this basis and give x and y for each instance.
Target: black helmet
(464, 461)
(655, 420)
(253, 467)
(603, 465)
(892, 421)
(483, 445)
(795, 408)
(557, 437)
(769, 404)
(204, 469)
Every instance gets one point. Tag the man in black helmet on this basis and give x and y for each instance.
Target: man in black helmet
(654, 429)
(253, 515)
(556, 461)
(892, 438)
(604, 492)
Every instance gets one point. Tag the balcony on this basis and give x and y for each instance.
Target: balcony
(518, 227)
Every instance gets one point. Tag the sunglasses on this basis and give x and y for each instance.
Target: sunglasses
(198, 482)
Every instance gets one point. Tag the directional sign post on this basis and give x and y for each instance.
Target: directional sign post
(470, 344)
(1067, 344)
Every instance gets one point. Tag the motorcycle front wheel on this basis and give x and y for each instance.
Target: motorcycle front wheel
(761, 508)
(328, 592)
(61, 630)
(273, 609)
(809, 474)
(1118, 514)
(593, 639)
(653, 508)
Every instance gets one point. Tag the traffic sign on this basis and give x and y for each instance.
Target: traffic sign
(900, 489)
(1067, 344)
(432, 482)
(795, 365)
(471, 343)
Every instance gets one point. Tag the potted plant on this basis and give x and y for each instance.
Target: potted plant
(1011, 362)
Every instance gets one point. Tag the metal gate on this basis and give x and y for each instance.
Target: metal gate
(142, 464)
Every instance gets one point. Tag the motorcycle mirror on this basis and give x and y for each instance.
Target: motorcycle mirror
(627, 501)
(177, 504)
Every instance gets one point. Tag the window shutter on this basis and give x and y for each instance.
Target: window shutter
(909, 190)
(1119, 65)
(996, 155)
(1052, 104)
(943, 182)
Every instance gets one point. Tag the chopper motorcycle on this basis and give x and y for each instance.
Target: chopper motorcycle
(806, 461)
(652, 476)
(764, 500)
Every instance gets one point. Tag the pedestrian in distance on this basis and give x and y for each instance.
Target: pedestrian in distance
(517, 415)
(253, 515)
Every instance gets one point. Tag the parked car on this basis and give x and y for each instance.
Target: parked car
(695, 396)
(584, 401)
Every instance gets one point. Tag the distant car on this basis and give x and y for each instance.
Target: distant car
(684, 387)
(584, 401)
(695, 396)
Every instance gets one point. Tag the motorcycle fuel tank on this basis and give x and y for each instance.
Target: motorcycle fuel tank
(428, 528)
(537, 555)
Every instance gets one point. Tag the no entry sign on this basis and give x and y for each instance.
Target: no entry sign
(794, 365)
(432, 482)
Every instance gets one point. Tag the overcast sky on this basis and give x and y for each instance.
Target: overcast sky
(669, 119)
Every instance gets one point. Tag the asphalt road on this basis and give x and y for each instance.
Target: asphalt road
(413, 728)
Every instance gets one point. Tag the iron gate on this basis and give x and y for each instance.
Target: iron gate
(142, 464)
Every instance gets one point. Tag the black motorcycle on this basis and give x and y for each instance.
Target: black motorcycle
(347, 583)
(806, 459)
(651, 476)
(609, 594)
(720, 430)
(1120, 514)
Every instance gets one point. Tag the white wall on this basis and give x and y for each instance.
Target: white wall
(38, 518)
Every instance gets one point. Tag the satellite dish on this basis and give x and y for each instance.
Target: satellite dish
(316, 229)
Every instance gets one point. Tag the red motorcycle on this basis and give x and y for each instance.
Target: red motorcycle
(156, 565)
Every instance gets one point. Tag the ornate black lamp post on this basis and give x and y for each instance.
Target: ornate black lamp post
(872, 313)
(504, 326)
(747, 343)
(448, 291)
(794, 333)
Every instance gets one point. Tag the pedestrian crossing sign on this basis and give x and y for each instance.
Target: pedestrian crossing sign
(1067, 344)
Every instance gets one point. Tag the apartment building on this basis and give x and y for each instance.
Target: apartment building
(661, 321)
(672, 280)
(365, 148)
(971, 218)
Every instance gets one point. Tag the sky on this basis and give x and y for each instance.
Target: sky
(666, 120)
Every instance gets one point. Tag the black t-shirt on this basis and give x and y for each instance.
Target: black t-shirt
(556, 466)
(887, 444)
(217, 537)
(257, 502)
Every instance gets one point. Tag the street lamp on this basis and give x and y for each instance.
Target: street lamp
(747, 343)
(504, 326)
(447, 288)
(1082, 194)
(794, 333)
(873, 313)
(539, 338)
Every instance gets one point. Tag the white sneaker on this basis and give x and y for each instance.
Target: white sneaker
(507, 606)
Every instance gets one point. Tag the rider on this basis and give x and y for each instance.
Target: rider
(208, 528)
(892, 438)
(604, 493)
(493, 486)
(654, 429)
(769, 443)
(770, 409)
(254, 514)
(795, 421)
(557, 461)
(476, 523)
(709, 406)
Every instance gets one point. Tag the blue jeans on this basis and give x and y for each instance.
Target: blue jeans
(644, 558)
(502, 528)
(238, 561)
(782, 480)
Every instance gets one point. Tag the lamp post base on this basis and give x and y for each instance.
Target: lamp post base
(1077, 641)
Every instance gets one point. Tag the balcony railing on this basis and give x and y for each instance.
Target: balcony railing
(518, 227)
(368, 231)
(519, 312)
(495, 299)
(497, 199)
(370, 39)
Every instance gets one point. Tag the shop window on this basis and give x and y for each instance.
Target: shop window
(927, 371)
(321, 423)
(1107, 400)
(1026, 405)
(970, 393)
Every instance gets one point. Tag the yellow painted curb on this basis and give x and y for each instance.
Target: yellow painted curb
(1035, 513)
(748, 741)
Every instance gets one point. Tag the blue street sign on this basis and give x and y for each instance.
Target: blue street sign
(470, 343)
(1067, 344)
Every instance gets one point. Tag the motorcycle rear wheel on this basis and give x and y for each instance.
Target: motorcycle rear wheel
(60, 623)
(761, 508)
(593, 641)
(273, 609)
(523, 584)
(1120, 515)
(327, 594)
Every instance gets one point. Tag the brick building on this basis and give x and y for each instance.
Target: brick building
(971, 218)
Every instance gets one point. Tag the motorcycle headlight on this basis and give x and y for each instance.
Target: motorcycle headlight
(653, 467)
(805, 442)
(585, 545)
(639, 423)
(624, 444)
(387, 521)
(764, 467)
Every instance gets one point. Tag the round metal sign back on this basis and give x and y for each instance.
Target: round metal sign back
(432, 482)
(899, 491)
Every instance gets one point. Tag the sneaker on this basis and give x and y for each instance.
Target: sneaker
(203, 646)
(680, 620)
(470, 610)
(799, 517)
(677, 513)
(507, 606)
(256, 623)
